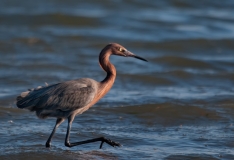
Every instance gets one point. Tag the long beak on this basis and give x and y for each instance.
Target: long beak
(130, 54)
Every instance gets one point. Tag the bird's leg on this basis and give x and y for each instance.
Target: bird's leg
(102, 139)
(58, 122)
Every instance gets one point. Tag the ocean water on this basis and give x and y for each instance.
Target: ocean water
(179, 105)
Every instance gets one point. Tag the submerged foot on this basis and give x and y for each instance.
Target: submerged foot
(110, 142)
(47, 145)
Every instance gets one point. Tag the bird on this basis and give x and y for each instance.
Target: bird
(67, 99)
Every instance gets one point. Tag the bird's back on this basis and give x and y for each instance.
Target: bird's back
(59, 100)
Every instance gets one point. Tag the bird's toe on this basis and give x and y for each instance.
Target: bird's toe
(110, 142)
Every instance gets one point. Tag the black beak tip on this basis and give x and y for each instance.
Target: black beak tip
(140, 58)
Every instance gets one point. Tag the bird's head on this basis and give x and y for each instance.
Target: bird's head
(119, 50)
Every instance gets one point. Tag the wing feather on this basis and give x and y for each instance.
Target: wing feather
(65, 96)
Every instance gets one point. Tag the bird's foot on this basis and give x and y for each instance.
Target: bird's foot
(110, 142)
(47, 145)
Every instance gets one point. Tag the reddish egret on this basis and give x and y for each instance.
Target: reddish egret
(67, 99)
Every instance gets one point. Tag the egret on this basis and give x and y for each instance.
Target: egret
(67, 99)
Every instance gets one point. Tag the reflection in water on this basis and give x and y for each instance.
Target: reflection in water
(177, 106)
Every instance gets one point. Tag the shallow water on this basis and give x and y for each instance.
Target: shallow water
(179, 105)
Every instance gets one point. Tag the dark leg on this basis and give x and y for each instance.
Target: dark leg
(102, 139)
(58, 122)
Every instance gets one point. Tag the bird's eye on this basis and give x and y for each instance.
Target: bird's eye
(121, 50)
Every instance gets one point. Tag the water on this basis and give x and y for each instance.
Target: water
(179, 105)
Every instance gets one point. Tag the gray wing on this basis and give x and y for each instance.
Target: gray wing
(65, 96)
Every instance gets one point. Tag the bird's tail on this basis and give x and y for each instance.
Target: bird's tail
(21, 99)
(23, 95)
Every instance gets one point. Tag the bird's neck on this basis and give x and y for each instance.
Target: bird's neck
(107, 66)
(104, 62)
